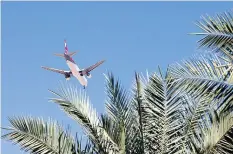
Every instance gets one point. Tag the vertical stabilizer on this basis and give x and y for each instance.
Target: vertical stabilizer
(66, 47)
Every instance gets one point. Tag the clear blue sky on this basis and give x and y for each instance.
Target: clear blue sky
(131, 36)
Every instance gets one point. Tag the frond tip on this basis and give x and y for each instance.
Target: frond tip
(217, 31)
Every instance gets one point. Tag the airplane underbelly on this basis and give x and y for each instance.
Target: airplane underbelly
(75, 72)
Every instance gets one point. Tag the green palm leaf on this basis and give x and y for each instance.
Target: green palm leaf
(219, 137)
(197, 115)
(77, 105)
(208, 85)
(203, 75)
(194, 110)
(37, 136)
(117, 106)
(111, 127)
(138, 102)
(135, 127)
(117, 103)
(161, 116)
(217, 31)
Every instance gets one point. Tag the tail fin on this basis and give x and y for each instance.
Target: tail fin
(66, 47)
(66, 51)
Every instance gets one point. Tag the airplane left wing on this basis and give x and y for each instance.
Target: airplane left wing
(89, 69)
(55, 70)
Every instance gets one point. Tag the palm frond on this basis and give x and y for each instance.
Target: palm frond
(117, 106)
(120, 119)
(135, 136)
(162, 117)
(218, 31)
(111, 127)
(117, 99)
(219, 137)
(37, 136)
(203, 75)
(77, 105)
(194, 110)
(205, 80)
(139, 108)
(197, 114)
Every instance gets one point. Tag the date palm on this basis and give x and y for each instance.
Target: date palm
(186, 110)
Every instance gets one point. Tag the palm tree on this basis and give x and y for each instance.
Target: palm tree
(187, 110)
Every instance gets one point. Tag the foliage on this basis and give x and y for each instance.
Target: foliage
(218, 33)
(36, 136)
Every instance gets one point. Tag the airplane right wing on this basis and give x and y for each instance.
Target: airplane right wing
(55, 70)
(89, 69)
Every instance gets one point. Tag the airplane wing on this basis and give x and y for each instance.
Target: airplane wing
(89, 69)
(55, 70)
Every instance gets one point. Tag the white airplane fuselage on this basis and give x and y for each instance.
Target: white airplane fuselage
(75, 72)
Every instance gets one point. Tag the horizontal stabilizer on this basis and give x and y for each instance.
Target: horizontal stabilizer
(59, 55)
(62, 55)
(72, 53)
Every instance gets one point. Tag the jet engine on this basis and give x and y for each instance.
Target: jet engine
(88, 75)
(67, 76)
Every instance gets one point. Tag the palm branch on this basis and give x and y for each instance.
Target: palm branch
(36, 136)
(118, 110)
(202, 76)
(76, 104)
(193, 111)
(161, 115)
(138, 102)
(208, 85)
(219, 136)
(135, 127)
(217, 31)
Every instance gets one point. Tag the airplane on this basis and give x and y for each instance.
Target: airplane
(74, 69)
